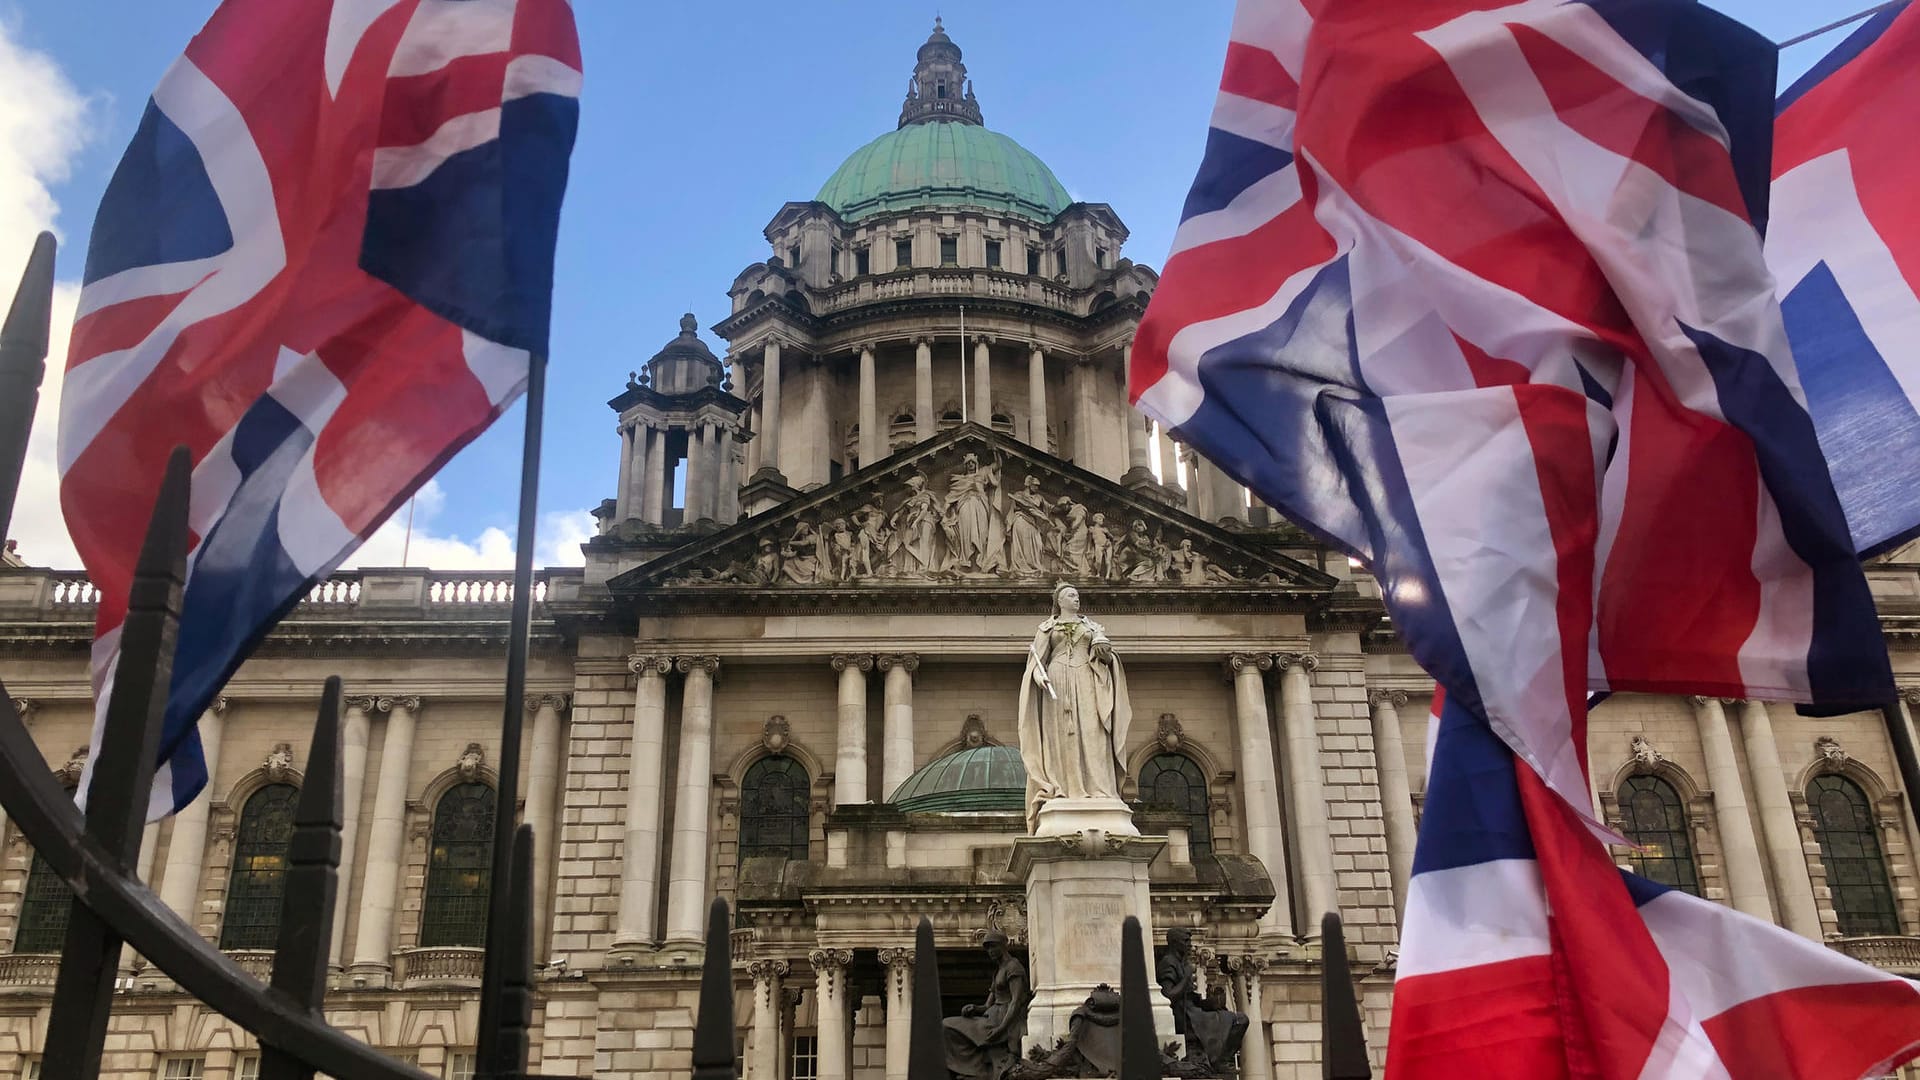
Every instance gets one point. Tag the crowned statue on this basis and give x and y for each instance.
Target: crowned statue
(1073, 710)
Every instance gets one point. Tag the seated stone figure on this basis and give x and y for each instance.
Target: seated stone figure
(1213, 1033)
(983, 1042)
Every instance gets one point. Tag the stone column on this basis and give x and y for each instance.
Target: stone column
(353, 772)
(373, 937)
(687, 877)
(830, 1009)
(700, 485)
(850, 759)
(1138, 456)
(770, 414)
(543, 807)
(646, 762)
(924, 422)
(873, 440)
(1259, 785)
(753, 444)
(180, 884)
(1740, 855)
(1396, 791)
(1792, 886)
(896, 741)
(1256, 1049)
(982, 383)
(653, 505)
(898, 964)
(623, 495)
(1169, 456)
(763, 1049)
(1306, 801)
(1037, 398)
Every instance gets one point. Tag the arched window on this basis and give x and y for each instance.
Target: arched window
(459, 868)
(259, 869)
(773, 808)
(1652, 816)
(1174, 782)
(1856, 874)
(43, 910)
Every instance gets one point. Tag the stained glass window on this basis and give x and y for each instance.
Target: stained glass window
(259, 869)
(1652, 816)
(773, 808)
(459, 868)
(1850, 848)
(43, 910)
(1174, 782)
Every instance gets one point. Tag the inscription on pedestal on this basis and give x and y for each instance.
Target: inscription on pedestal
(1092, 935)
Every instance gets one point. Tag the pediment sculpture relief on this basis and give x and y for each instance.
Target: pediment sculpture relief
(971, 521)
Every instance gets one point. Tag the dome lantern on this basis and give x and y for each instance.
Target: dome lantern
(939, 90)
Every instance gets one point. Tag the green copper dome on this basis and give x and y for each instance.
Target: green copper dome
(977, 778)
(944, 164)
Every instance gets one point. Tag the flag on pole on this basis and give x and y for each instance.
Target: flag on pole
(1479, 296)
(1845, 246)
(323, 265)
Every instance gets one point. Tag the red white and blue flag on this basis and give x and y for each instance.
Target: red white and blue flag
(322, 266)
(1477, 293)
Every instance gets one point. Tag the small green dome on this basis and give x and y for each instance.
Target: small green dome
(944, 164)
(977, 778)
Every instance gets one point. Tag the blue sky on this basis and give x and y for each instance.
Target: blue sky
(699, 121)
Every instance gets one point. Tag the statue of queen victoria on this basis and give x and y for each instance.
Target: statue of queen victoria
(1074, 711)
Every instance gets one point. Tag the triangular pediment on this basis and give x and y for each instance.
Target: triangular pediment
(971, 510)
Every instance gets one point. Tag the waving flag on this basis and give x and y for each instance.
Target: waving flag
(1845, 246)
(322, 265)
(1479, 296)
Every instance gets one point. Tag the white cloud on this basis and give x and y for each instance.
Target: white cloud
(44, 123)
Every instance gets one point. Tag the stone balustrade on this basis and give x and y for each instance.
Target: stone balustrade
(952, 282)
(28, 972)
(1897, 953)
(449, 966)
(38, 595)
(255, 962)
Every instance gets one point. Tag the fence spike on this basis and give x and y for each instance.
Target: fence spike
(1343, 1043)
(312, 883)
(123, 770)
(1139, 1046)
(23, 354)
(713, 1057)
(516, 948)
(926, 1043)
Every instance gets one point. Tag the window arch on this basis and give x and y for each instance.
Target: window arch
(1175, 782)
(259, 869)
(44, 910)
(1850, 848)
(459, 868)
(1652, 816)
(773, 808)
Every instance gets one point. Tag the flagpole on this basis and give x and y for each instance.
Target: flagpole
(1838, 23)
(507, 795)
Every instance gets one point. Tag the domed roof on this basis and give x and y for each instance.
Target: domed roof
(975, 778)
(944, 164)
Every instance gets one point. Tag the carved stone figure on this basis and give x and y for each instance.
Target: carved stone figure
(1075, 537)
(840, 551)
(916, 530)
(1027, 528)
(1100, 546)
(800, 558)
(1074, 710)
(975, 528)
(1143, 558)
(870, 541)
(1213, 1033)
(984, 1040)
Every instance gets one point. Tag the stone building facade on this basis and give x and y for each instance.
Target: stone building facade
(787, 676)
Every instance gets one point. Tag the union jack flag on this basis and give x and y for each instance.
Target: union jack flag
(323, 266)
(1477, 293)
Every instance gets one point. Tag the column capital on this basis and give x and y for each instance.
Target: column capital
(843, 661)
(1238, 663)
(687, 665)
(984, 339)
(910, 662)
(1033, 345)
(645, 664)
(830, 959)
(1701, 701)
(923, 341)
(1395, 698)
(395, 702)
(1287, 660)
(558, 702)
(1910, 694)
(867, 348)
(767, 970)
(896, 958)
(218, 706)
(25, 706)
(365, 704)
(1245, 965)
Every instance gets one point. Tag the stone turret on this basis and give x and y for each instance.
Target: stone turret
(939, 89)
(680, 430)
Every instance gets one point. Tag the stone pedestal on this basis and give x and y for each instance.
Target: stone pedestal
(1080, 886)
(1078, 817)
